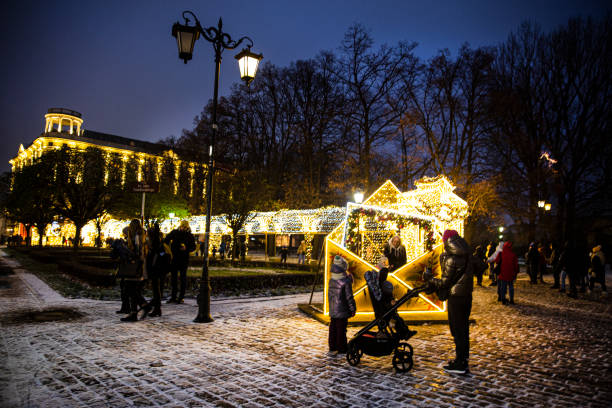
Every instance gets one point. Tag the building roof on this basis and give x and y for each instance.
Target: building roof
(121, 142)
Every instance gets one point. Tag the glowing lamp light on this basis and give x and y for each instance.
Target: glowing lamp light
(501, 229)
(547, 207)
(186, 37)
(358, 197)
(541, 203)
(247, 64)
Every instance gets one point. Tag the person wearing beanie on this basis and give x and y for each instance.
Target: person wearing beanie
(182, 243)
(456, 284)
(341, 304)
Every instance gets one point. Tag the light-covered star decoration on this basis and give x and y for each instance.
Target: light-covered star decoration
(418, 217)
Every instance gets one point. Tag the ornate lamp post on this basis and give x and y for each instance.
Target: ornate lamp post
(248, 62)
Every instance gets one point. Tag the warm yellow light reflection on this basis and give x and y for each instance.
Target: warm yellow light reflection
(434, 200)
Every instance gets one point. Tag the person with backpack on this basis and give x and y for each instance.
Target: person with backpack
(456, 285)
(509, 268)
(533, 263)
(182, 243)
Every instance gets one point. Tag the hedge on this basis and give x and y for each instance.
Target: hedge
(99, 271)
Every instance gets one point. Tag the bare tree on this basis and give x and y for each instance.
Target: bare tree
(368, 78)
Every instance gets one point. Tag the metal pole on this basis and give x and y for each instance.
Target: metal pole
(314, 285)
(204, 295)
(142, 209)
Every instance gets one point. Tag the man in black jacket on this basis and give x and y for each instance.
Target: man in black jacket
(181, 244)
(458, 282)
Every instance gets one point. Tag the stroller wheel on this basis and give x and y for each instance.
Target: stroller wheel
(402, 358)
(405, 347)
(353, 354)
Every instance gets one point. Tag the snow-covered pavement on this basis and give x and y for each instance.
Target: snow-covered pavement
(547, 350)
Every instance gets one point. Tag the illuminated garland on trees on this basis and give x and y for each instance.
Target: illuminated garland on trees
(452, 212)
(353, 239)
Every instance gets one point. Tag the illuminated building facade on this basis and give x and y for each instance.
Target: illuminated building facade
(139, 160)
(63, 128)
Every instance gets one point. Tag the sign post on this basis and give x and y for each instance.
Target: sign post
(144, 188)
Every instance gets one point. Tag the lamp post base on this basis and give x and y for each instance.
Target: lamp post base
(204, 303)
(203, 319)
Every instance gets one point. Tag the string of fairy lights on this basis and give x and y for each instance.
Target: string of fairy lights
(415, 216)
(418, 217)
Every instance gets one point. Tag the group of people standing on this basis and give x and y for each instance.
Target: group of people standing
(456, 281)
(148, 255)
(568, 262)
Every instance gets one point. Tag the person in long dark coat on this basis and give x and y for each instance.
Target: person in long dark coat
(158, 263)
(458, 281)
(181, 243)
(341, 304)
(533, 262)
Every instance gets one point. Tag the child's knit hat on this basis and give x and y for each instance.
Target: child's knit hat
(339, 265)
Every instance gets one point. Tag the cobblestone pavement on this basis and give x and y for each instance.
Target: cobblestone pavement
(545, 351)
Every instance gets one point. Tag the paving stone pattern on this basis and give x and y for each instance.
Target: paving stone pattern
(545, 351)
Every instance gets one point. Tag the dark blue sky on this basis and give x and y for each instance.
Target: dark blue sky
(117, 64)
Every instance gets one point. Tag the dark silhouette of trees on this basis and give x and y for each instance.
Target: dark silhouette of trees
(318, 129)
(368, 79)
(82, 194)
(32, 198)
(236, 196)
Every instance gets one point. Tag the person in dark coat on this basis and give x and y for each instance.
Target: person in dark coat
(181, 243)
(542, 264)
(341, 304)
(395, 252)
(509, 270)
(480, 264)
(119, 251)
(133, 252)
(533, 262)
(458, 281)
(283, 255)
(597, 270)
(553, 261)
(158, 263)
(222, 248)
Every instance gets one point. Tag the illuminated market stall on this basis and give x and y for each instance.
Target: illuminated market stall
(419, 217)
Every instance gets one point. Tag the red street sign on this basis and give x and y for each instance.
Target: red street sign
(144, 187)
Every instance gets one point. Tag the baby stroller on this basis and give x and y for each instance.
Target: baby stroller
(387, 340)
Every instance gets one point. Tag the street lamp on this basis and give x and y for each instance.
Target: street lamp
(541, 203)
(247, 64)
(501, 229)
(186, 37)
(358, 197)
(547, 207)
